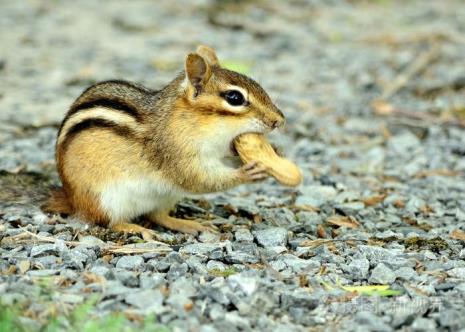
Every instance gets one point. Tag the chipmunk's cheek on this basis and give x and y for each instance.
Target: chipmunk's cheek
(252, 125)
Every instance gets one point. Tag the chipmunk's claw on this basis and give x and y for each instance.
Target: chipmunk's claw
(183, 225)
(147, 234)
(253, 172)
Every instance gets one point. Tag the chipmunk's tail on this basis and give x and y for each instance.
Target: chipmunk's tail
(58, 202)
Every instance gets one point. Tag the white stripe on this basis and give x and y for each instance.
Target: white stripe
(96, 113)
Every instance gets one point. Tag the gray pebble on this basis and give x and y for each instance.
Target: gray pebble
(271, 237)
(381, 274)
(406, 273)
(177, 270)
(359, 267)
(44, 249)
(149, 300)
(421, 324)
(130, 262)
(316, 195)
(243, 235)
(458, 272)
(371, 321)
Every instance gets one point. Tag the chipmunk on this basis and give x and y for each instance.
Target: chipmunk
(125, 151)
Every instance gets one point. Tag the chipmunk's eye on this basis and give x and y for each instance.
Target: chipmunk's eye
(234, 98)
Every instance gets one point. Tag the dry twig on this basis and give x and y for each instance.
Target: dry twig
(117, 249)
(415, 68)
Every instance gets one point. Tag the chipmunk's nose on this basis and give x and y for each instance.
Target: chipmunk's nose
(279, 120)
(277, 123)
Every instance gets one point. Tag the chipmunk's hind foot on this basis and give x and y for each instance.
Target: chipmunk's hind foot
(182, 225)
(147, 234)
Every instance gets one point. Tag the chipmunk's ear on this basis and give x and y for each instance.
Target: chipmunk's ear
(208, 54)
(198, 71)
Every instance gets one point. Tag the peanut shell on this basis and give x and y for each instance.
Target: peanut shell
(255, 147)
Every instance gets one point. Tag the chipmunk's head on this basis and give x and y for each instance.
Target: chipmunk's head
(240, 102)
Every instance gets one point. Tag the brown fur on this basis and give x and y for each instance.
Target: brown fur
(58, 202)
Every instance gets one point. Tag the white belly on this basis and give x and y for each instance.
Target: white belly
(123, 200)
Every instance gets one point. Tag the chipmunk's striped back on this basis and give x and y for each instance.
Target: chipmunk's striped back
(114, 105)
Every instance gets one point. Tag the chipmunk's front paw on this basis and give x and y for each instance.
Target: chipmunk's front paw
(253, 172)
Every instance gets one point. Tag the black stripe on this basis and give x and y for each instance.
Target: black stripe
(107, 103)
(118, 129)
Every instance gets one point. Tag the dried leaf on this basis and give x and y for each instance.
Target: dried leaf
(382, 107)
(457, 234)
(426, 210)
(379, 290)
(257, 219)
(373, 200)
(92, 278)
(314, 243)
(320, 231)
(24, 266)
(188, 306)
(437, 172)
(305, 207)
(400, 203)
(343, 221)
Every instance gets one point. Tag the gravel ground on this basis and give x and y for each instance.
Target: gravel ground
(383, 198)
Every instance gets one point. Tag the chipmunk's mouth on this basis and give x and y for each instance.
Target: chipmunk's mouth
(232, 145)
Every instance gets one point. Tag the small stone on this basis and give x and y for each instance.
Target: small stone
(377, 254)
(421, 324)
(196, 265)
(69, 274)
(309, 217)
(243, 235)
(101, 271)
(209, 237)
(460, 287)
(383, 275)
(177, 270)
(44, 249)
(445, 286)
(247, 285)
(91, 241)
(350, 208)
(403, 143)
(130, 262)
(298, 265)
(298, 298)
(233, 319)
(69, 298)
(368, 318)
(42, 273)
(359, 267)
(316, 195)
(148, 300)
(458, 272)
(452, 319)
(151, 279)
(200, 248)
(272, 252)
(271, 237)
(127, 278)
(415, 204)
(48, 261)
(406, 273)
(216, 265)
